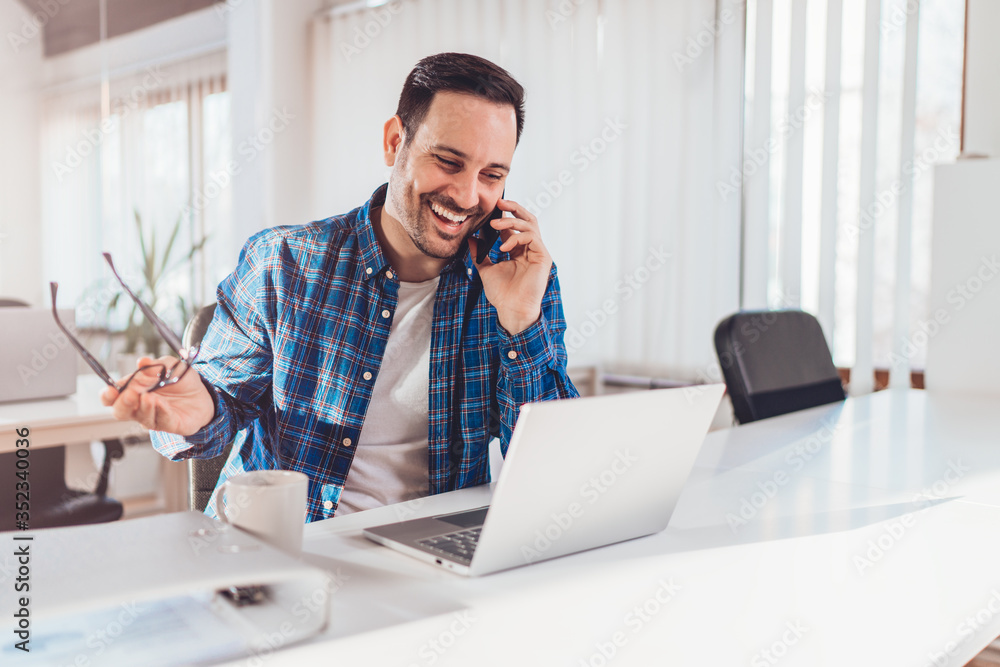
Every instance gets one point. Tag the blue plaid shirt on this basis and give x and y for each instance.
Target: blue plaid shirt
(297, 342)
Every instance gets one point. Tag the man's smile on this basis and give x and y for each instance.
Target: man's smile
(449, 221)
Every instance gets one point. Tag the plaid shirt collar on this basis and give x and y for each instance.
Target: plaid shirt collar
(374, 262)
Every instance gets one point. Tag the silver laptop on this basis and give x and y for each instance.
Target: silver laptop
(36, 359)
(579, 474)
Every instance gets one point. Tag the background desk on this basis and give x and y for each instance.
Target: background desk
(846, 560)
(79, 419)
(907, 443)
(58, 421)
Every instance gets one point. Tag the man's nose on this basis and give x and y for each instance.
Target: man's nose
(465, 191)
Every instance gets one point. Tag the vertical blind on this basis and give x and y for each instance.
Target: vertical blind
(849, 103)
(633, 114)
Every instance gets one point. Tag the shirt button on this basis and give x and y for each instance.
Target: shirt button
(512, 355)
(367, 375)
(388, 274)
(368, 270)
(328, 505)
(385, 314)
(469, 271)
(347, 442)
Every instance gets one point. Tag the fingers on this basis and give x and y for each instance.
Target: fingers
(518, 211)
(514, 240)
(523, 220)
(133, 403)
(511, 228)
(143, 378)
(126, 404)
(511, 240)
(521, 231)
(108, 396)
(515, 233)
(514, 225)
(145, 412)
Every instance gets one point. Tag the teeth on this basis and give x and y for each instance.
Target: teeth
(448, 215)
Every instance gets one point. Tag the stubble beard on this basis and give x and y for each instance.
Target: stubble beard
(414, 218)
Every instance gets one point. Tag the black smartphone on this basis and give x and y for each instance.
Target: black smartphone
(487, 235)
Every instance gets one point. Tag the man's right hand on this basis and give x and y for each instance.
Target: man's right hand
(183, 408)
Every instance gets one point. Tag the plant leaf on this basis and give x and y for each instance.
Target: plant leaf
(195, 248)
(151, 262)
(170, 247)
(142, 239)
(132, 332)
(112, 303)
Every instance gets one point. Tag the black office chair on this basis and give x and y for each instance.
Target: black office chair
(775, 362)
(203, 474)
(52, 503)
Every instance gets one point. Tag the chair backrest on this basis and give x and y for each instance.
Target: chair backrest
(775, 362)
(196, 328)
(203, 474)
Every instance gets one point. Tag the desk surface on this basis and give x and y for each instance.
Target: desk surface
(908, 443)
(854, 555)
(57, 421)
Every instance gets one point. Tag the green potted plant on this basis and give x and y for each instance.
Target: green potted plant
(156, 265)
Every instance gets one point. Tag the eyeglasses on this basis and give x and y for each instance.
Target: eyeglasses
(166, 375)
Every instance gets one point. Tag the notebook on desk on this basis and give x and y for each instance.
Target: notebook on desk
(579, 474)
(174, 589)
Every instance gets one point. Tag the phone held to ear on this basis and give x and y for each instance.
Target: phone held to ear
(487, 235)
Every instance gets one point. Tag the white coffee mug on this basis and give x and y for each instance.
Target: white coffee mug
(270, 504)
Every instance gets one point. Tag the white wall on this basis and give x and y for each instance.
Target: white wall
(20, 189)
(965, 280)
(965, 277)
(982, 93)
(269, 77)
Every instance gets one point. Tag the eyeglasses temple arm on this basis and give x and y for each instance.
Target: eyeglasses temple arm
(161, 328)
(87, 356)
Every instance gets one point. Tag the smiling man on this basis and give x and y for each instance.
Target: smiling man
(369, 350)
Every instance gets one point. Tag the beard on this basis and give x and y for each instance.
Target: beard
(424, 231)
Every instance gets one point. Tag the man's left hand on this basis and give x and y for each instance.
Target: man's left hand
(516, 287)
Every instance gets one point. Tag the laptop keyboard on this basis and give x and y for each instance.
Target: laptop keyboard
(458, 545)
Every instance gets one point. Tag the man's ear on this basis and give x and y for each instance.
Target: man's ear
(392, 139)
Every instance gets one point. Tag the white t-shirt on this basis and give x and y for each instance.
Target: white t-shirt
(390, 465)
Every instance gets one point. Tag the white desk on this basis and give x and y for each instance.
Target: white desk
(788, 580)
(80, 418)
(57, 421)
(905, 442)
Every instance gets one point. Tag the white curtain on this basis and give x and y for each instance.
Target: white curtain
(633, 110)
(148, 152)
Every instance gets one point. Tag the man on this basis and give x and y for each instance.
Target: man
(334, 349)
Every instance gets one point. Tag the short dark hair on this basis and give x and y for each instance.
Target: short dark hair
(460, 73)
